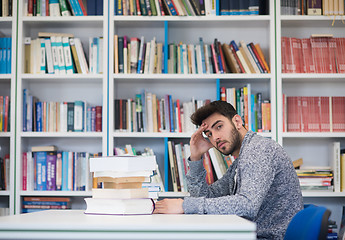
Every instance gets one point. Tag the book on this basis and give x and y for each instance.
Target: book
(335, 164)
(48, 148)
(142, 206)
(120, 193)
(123, 163)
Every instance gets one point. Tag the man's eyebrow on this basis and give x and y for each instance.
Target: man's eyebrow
(214, 124)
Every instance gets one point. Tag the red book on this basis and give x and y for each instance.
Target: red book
(305, 114)
(236, 57)
(316, 53)
(296, 55)
(340, 55)
(138, 7)
(82, 7)
(324, 112)
(179, 115)
(314, 117)
(98, 118)
(308, 63)
(208, 167)
(7, 106)
(257, 56)
(30, 7)
(338, 114)
(214, 57)
(290, 67)
(225, 68)
(332, 49)
(293, 116)
(283, 55)
(223, 94)
(24, 171)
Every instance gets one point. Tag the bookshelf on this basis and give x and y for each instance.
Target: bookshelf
(8, 88)
(90, 88)
(175, 29)
(314, 147)
(103, 88)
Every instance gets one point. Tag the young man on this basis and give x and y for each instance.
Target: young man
(261, 185)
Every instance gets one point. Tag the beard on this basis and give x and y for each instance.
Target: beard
(234, 140)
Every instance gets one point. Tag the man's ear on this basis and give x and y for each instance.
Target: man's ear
(237, 120)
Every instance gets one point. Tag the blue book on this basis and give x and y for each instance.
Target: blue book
(25, 94)
(65, 171)
(91, 7)
(4, 55)
(39, 115)
(254, 7)
(172, 126)
(234, 7)
(2, 62)
(9, 55)
(143, 103)
(99, 8)
(41, 170)
(202, 50)
(51, 203)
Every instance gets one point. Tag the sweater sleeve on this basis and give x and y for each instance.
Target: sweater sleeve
(255, 175)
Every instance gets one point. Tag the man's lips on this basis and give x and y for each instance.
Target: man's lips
(221, 144)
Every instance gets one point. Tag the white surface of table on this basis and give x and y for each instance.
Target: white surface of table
(74, 224)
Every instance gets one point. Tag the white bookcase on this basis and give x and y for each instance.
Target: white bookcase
(91, 88)
(314, 148)
(102, 89)
(8, 26)
(175, 29)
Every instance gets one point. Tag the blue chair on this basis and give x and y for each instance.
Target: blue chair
(311, 223)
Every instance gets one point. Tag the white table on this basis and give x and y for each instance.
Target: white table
(74, 224)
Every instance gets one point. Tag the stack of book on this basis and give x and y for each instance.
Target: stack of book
(121, 179)
(315, 178)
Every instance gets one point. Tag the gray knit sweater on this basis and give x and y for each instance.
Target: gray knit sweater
(266, 191)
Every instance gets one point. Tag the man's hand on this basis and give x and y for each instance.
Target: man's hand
(172, 206)
(198, 144)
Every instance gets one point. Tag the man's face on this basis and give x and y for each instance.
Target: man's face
(222, 133)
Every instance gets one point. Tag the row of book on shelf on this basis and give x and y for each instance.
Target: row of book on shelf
(324, 178)
(313, 113)
(50, 116)
(253, 109)
(5, 54)
(317, 7)
(188, 7)
(63, 7)
(35, 204)
(215, 164)
(126, 184)
(317, 54)
(149, 113)
(134, 55)
(45, 168)
(6, 8)
(55, 53)
(5, 113)
(5, 172)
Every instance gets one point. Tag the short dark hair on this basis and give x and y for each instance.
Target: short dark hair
(222, 107)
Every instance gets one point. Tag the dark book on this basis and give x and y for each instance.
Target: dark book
(224, 7)
(117, 114)
(234, 7)
(51, 171)
(244, 7)
(195, 5)
(121, 59)
(91, 7)
(98, 118)
(143, 8)
(202, 7)
(99, 8)
(70, 116)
